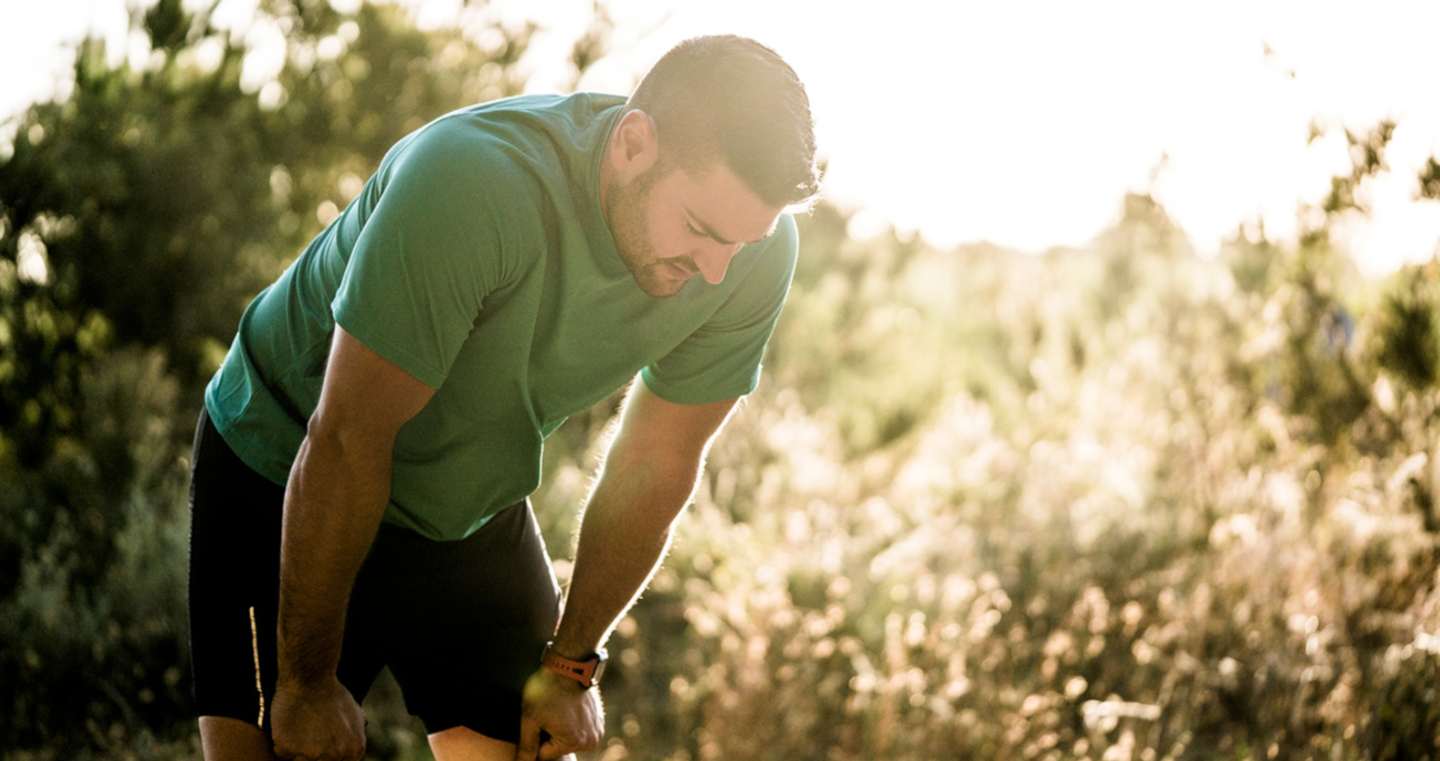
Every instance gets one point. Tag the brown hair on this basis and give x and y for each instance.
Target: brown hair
(731, 98)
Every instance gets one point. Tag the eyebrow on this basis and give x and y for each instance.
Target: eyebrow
(710, 231)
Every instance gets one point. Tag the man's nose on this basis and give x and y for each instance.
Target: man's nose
(712, 261)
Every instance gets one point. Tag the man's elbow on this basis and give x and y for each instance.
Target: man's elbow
(341, 439)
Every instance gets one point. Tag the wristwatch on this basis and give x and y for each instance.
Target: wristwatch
(586, 672)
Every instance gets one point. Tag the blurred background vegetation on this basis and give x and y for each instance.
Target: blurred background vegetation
(1112, 503)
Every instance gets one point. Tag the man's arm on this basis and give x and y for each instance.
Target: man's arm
(647, 478)
(338, 490)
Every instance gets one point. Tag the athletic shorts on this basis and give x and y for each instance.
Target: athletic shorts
(461, 624)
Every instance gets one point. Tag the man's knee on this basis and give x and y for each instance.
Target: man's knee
(465, 744)
(223, 739)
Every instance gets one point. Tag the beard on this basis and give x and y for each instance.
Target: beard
(625, 213)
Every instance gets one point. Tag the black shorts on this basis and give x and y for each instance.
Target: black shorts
(460, 624)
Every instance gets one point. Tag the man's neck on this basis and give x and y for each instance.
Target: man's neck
(607, 172)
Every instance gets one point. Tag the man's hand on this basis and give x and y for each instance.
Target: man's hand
(319, 724)
(571, 715)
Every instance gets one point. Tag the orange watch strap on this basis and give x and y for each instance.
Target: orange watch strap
(585, 672)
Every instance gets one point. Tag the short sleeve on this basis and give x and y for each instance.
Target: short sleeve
(431, 249)
(721, 360)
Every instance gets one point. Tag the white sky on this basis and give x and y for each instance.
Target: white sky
(1020, 122)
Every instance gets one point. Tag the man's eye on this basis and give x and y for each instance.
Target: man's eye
(693, 230)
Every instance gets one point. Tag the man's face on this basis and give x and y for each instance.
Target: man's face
(670, 224)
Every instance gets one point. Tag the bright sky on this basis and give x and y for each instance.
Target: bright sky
(1024, 122)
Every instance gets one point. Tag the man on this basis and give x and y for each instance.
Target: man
(363, 463)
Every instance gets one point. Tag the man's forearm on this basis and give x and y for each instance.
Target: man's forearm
(333, 506)
(648, 476)
(623, 536)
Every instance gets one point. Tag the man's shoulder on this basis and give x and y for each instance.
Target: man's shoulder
(573, 120)
(772, 259)
(526, 140)
(578, 109)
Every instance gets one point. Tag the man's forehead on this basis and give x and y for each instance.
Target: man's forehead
(723, 207)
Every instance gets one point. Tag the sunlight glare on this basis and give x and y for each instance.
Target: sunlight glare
(1023, 124)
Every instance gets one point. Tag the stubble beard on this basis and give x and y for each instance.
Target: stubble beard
(625, 212)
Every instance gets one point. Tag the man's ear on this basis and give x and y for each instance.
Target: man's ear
(634, 146)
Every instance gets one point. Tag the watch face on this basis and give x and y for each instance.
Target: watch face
(599, 671)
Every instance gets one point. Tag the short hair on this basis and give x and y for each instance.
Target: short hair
(729, 97)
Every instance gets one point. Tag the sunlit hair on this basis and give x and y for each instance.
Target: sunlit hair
(728, 97)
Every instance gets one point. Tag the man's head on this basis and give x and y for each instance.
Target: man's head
(733, 100)
(715, 143)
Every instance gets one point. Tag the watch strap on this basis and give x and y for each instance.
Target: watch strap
(587, 672)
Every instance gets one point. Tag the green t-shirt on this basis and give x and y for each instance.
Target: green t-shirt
(478, 260)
